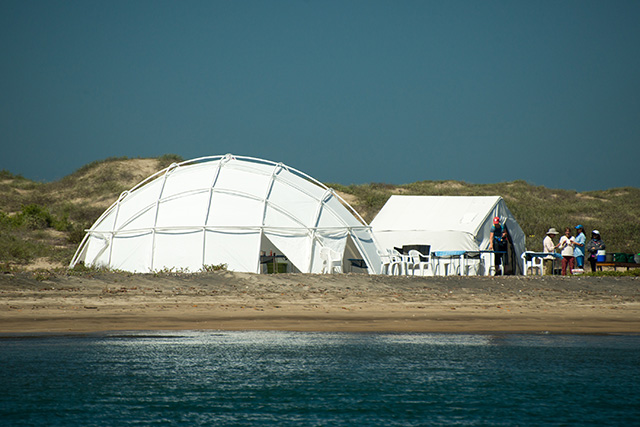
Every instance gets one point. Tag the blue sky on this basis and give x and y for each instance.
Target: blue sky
(346, 91)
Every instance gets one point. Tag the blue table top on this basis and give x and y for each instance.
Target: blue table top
(449, 253)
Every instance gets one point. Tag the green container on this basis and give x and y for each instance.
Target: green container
(619, 257)
(281, 268)
(630, 258)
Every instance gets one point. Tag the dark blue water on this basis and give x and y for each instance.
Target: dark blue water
(286, 378)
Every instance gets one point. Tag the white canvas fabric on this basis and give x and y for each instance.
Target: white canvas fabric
(225, 210)
(447, 223)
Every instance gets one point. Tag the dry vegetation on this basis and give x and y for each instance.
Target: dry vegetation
(41, 224)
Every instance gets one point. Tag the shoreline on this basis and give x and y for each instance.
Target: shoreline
(227, 301)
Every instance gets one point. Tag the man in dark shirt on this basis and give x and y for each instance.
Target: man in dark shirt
(498, 242)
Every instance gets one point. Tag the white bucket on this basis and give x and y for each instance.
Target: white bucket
(602, 254)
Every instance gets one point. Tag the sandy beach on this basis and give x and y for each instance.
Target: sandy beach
(300, 302)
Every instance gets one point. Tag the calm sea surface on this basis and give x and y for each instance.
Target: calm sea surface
(333, 379)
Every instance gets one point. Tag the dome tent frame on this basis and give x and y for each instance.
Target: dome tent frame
(226, 210)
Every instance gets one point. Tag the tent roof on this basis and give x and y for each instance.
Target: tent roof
(435, 213)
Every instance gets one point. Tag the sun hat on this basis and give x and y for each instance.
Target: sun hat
(496, 220)
(552, 231)
(595, 232)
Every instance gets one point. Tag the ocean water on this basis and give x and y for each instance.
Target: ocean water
(197, 378)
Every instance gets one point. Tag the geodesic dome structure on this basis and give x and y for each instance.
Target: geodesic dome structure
(227, 210)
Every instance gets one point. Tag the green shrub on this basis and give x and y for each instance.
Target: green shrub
(167, 160)
(15, 249)
(35, 217)
(5, 174)
(634, 272)
(76, 234)
(208, 268)
(81, 269)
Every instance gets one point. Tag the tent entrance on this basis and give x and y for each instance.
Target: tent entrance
(273, 260)
(510, 260)
(352, 261)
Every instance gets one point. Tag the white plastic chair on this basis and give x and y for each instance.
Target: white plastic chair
(417, 261)
(399, 263)
(331, 261)
(385, 258)
(532, 263)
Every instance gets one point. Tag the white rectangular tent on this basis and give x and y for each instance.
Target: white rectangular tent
(446, 223)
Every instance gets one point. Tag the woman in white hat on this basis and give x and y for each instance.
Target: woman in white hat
(549, 247)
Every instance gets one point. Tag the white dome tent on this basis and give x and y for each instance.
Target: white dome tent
(227, 210)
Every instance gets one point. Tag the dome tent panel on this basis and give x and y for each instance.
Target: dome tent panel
(297, 202)
(179, 250)
(97, 248)
(339, 213)
(143, 219)
(236, 179)
(145, 199)
(233, 247)
(295, 244)
(244, 211)
(284, 219)
(185, 210)
(107, 220)
(130, 252)
(331, 238)
(237, 201)
(182, 181)
(329, 218)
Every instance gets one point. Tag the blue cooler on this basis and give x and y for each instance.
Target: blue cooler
(602, 256)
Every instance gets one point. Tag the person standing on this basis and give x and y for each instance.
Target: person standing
(549, 247)
(498, 242)
(595, 244)
(578, 246)
(566, 245)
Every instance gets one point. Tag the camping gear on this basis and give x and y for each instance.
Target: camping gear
(602, 255)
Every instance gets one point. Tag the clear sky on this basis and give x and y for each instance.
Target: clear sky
(346, 91)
